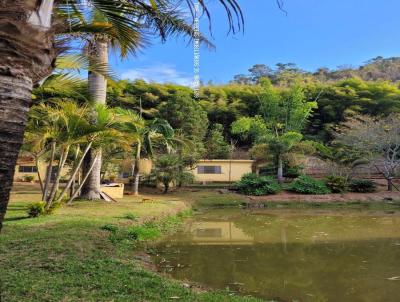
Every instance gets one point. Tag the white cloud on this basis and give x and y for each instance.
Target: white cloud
(161, 73)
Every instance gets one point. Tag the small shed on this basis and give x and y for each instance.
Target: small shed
(221, 170)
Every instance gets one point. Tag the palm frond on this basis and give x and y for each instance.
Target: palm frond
(62, 86)
(78, 62)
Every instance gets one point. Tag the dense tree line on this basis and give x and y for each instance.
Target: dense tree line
(376, 69)
(221, 105)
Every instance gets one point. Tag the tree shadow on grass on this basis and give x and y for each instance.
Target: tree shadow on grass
(16, 218)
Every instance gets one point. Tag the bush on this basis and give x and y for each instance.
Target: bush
(252, 184)
(362, 186)
(308, 185)
(29, 178)
(293, 172)
(36, 209)
(144, 232)
(131, 216)
(110, 228)
(337, 184)
(149, 180)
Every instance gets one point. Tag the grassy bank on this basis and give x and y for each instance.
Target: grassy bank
(88, 252)
(207, 198)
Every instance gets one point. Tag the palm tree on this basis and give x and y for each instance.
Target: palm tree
(144, 136)
(27, 56)
(99, 33)
(63, 126)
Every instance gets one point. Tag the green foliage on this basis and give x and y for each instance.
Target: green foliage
(216, 146)
(29, 178)
(362, 186)
(186, 116)
(308, 185)
(293, 172)
(112, 228)
(130, 216)
(185, 178)
(167, 170)
(54, 206)
(337, 184)
(36, 209)
(252, 184)
(147, 231)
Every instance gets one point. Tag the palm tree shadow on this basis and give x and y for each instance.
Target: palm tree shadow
(16, 218)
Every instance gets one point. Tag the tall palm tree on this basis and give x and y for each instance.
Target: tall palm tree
(27, 55)
(99, 33)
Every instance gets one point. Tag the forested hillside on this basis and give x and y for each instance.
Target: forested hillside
(370, 89)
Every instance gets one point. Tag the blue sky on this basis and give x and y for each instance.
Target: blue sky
(314, 33)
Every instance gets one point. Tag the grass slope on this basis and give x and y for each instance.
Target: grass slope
(69, 256)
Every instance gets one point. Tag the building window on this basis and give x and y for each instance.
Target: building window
(27, 169)
(209, 170)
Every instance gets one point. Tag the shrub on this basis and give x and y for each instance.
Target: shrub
(36, 209)
(110, 227)
(308, 185)
(130, 216)
(149, 180)
(252, 184)
(337, 184)
(143, 232)
(362, 186)
(293, 172)
(29, 178)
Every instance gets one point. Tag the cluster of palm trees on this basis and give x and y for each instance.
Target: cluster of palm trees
(61, 132)
(34, 33)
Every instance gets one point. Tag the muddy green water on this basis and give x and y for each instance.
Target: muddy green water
(289, 255)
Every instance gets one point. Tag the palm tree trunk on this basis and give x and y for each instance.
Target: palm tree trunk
(49, 171)
(96, 158)
(77, 151)
(98, 93)
(26, 56)
(54, 189)
(38, 174)
(166, 187)
(280, 170)
(15, 98)
(91, 187)
(137, 175)
(74, 173)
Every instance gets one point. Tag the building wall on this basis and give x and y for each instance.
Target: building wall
(19, 176)
(229, 170)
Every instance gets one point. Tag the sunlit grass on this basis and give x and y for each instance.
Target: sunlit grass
(70, 255)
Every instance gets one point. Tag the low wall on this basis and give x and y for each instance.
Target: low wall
(114, 190)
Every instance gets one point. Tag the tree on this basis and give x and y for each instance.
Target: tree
(283, 117)
(259, 71)
(102, 32)
(168, 171)
(377, 139)
(144, 136)
(186, 116)
(27, 33)
(216, 146)
(62, 127)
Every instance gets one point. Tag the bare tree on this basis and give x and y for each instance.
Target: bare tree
(377, 139)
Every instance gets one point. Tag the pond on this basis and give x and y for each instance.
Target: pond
(289, 255)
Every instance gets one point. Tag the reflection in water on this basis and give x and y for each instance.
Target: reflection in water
(290, 257)
(218, 232)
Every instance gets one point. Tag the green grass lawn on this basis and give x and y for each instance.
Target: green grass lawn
(73, 256)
